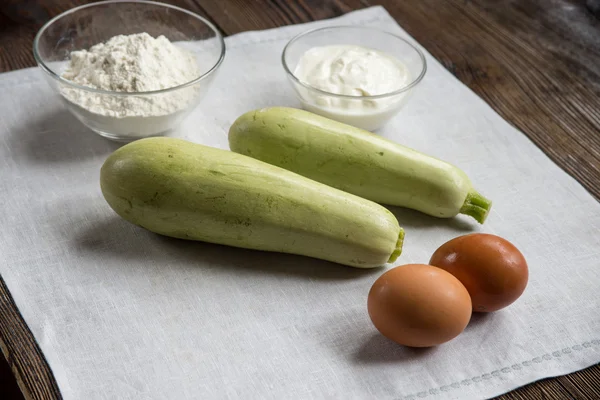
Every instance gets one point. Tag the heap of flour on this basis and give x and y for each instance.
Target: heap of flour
(132, 63)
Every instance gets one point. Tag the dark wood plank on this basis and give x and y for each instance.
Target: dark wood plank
(532, 76)
(20, 21)
(538, 65)
(9, 387)
(543, 390)
(22, 353)
(234, 16)
(583, 384)
(536, 62)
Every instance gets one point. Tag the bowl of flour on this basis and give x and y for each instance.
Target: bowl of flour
(129, 69)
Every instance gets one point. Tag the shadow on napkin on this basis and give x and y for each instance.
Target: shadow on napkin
(478, 319)
(378, 349)
(117, 240)
(58, 137)
(351, 335)
(414, 219)
(362, 344)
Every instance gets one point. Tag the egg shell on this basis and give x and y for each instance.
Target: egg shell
(492, 269)
(418, 305)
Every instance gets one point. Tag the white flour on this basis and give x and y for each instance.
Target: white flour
(132, 63)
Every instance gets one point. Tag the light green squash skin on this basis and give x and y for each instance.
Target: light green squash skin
(185, 190)
(356, 161)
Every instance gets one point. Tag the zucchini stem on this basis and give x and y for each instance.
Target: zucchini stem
(398, 249)
(476, 206)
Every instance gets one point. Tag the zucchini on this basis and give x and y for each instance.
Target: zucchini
(356, 161)
(184, 190)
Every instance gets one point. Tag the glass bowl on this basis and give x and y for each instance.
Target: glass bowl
(82, 27)
(366, 112)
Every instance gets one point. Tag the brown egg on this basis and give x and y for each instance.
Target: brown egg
(493, 270)
(419, 305)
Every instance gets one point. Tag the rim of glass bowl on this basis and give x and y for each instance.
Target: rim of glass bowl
(67, 82)
(412, 84)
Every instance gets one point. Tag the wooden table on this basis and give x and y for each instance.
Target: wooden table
(536, 62)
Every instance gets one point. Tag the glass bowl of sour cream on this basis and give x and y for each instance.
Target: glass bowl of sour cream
(129, 69)
(356, 75)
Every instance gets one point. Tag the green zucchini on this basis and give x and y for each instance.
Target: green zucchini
(356, 161)
(180, 189)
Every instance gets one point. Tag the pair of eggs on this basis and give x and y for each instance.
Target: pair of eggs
(421, 305)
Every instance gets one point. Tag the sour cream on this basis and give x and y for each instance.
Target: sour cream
(352, 71)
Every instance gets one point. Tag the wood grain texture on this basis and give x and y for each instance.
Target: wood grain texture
(20, 21)
(536, 62)
(8, 385)
(22, 353)
(537, 78)
(234, 16)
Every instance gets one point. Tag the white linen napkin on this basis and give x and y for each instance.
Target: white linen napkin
(123, 313)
